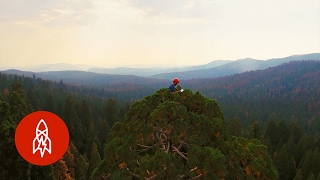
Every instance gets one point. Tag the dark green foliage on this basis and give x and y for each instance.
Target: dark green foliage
(111, 112)
(42, 172)
(271, 134)
(81, 165)
(255, 132)
(311, 176)
(94, 159)
(285, 164)
(174, 136)
(235, 127)
(298, 176)
(311, 163)
(18, 106)
(12, 165)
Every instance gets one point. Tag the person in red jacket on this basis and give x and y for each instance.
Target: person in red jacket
(172, 87)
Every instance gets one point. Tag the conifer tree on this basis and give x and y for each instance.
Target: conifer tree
(235, 128)
(292, 148)
(285, 164)
(85, 114)
(81, 165)
(12, 165)
(42, 172)
(316, 162)
(271, 133)
(18, 106)
(61, 171)
(301, 149)
(298, 175)
(255, 132)
(307, 163)
(297, 131)
(92, 134)
(311, 176)
(282, 133)
(111, 112)
(180, 136)
(104, 130)
(95, 159)
(49, 104)
(68, 157)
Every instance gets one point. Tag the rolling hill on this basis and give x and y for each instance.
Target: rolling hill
(238, 66)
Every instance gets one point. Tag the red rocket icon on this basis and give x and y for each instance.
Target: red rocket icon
(35, 135)
(42, 141)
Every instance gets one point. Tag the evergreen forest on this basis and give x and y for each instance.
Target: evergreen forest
(262, 124)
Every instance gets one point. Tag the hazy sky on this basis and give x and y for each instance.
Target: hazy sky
(121, 32)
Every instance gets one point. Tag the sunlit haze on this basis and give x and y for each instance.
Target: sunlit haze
(173, 32)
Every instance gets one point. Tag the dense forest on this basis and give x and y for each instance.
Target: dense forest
(276, 108)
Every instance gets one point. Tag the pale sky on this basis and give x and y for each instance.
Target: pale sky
(123, 32)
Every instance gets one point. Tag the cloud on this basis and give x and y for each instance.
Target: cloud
(177, 12)
(46, 12)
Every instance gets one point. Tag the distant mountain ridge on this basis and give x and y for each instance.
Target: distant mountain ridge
(154, 70)
(212, 69)
(144, 75)
(90, 78)
(234, 67)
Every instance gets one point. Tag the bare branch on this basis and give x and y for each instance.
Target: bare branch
(182, 142)
(152, 177)
(196, 177)
(144, 145)
(133, 174)
(145, 148)
(193, 169)
(177, 151)
(164, 135)
(168, 147)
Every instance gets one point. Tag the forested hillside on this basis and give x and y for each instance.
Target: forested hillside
(88, 113)
(288, 92)
(238, 66)
(278, 107)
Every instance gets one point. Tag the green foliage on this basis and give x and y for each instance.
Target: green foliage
(298, 175)
(111, 112)
(180, 136)
(12, 165)
(18, 106)
(255, 132)
(42, 172)
(285, 164)
(94, 159)
(235, 127)
(81, 165)
(249, 157)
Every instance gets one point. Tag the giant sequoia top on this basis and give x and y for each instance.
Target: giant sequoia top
(180, 136)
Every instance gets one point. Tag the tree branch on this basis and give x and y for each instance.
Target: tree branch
(168, 147)
(182, 142)
(177, 151)
(196, 177)
(133, 174)
(145, 146)
(152, 177)
(193, 169)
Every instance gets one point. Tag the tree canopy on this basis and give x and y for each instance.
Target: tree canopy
(180, 136)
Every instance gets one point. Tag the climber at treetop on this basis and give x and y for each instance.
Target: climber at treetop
(172, 87)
